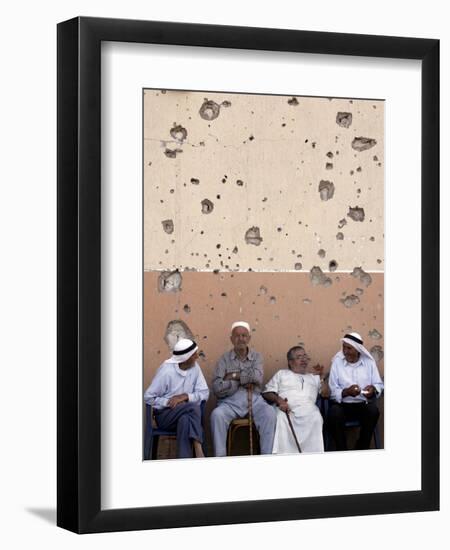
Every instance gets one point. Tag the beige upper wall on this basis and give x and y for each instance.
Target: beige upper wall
(278, 149)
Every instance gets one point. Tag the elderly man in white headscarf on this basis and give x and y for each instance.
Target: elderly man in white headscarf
(176, 393)
(354, 384)
(236, 371)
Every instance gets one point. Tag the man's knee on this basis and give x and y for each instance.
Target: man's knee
(217, 416)
(194, 408)
(336, 413)
(316, 419)
(189, 411)
(271, 415)
(373, 412)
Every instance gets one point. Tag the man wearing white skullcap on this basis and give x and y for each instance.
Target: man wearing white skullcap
(354, 384)
(176, 393)
(294, 391)
(236, 371)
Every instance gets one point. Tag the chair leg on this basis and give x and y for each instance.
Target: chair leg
(376, 437)
(148, 448)
(231, 434)
(154, 447)
(204, 446)
(230, 440)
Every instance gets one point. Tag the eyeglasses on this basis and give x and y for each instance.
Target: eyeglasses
(302, 356)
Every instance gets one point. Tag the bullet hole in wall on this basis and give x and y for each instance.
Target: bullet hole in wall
(172, 153)
(344, 119)
(207, 206)
(363, 143)
(374, 334)
(317, 277)
(169, 281)
(175, 330)
(360, 274)
(332, 266)
(252, 236)
(168, 226)
(209, 110)
(356, 213)
(350, 301)
(377, 353)
(326, 190)
(178, 132)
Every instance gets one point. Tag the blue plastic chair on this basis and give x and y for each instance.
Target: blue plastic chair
(349, 424)
(152, 435)
(376, 432)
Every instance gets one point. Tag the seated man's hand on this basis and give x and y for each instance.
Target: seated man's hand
(325, 391)
(177, 399)
(316, 369)
(232, 376)
(353, 391)
(369, 391)
(283, 405)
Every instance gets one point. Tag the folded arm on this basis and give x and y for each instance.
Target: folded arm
(222, 384)
(253, 373)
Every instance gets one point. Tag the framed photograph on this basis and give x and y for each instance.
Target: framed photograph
(286, 181)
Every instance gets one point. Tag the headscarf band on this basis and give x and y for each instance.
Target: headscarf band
(354, 338)
(186, 350)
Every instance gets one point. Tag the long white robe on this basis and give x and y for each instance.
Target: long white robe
(301, 391)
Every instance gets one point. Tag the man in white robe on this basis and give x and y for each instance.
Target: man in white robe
(294, 391)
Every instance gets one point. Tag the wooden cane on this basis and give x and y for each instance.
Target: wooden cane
(293, 432)
(250, 416)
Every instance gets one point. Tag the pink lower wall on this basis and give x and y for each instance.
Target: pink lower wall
(283, 309)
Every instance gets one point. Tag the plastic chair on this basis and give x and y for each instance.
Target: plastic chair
(323, 406)
(152, 434)
(376, 431)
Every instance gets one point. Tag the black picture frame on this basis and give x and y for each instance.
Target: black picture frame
(79, 274)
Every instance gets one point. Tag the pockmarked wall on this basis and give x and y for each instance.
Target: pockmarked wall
(267, 209)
